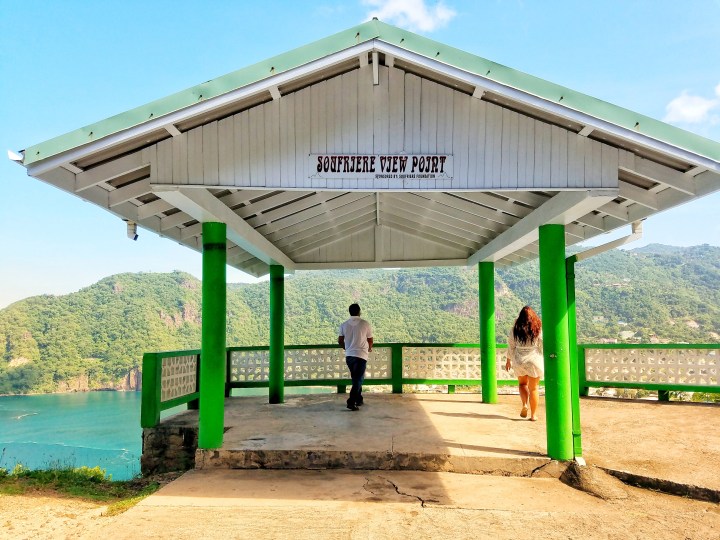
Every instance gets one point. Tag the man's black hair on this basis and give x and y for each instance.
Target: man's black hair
(354, 310)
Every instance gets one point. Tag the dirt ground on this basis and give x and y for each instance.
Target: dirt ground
(365, 505)
(673, 441)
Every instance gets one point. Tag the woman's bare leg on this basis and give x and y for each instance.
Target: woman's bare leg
(534, 395)
(523, 383)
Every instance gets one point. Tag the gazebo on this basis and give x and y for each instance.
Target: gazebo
(376, 148)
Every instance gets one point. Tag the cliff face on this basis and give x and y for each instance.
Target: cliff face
(131, 382)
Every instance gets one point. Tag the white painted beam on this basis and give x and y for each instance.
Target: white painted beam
(129, 192)
(495, 202)
(423, 237)
(108, 171)
(322, 218)
(379, 264)
(695, 171)
(300, 211)
(662, 174)
(331, 226)
(636, 234)
(463, 209)
(204, 206)
(275, 92)
(479, 92)
(525, 197)
(174, 220)
(587, 130)
(563, 208)
(429, 234)
(430, 214)
(332, 239)
(376, 68)
(172, 130)
(329, 237)
(153, 208)
(72, 168)
(638, 195)
(615, 210)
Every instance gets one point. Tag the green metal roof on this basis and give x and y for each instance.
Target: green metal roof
(400, 38)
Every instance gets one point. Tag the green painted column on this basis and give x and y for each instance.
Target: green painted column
(277, 334)
(488, 362)
(553, 298)
(573, 350)
(212, 354)
(396, 361)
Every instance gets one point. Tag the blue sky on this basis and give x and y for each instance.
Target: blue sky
(65, 64)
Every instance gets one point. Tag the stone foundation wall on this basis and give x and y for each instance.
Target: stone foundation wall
(167, 448)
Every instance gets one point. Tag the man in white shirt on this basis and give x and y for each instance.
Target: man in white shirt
(356, 338)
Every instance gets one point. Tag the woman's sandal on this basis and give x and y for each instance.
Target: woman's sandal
(533, 419)
(523, 412)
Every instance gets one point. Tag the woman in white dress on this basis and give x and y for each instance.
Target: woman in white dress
(525, 357)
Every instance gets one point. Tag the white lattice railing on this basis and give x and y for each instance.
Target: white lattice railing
(172, 378)
(178, 376)
(416, 362)
(306, 364)
(668, 367)
(452, 363)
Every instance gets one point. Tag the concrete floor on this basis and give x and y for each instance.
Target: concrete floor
(458, 433)
(666, 441)
(429, 432)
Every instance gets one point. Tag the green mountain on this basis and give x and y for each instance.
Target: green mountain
(95, 338)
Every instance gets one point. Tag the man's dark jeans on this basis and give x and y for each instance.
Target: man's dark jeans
(357, 374)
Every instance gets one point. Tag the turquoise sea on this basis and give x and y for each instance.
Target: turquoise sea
(91, 428)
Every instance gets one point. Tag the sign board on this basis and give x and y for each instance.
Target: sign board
(381, 166)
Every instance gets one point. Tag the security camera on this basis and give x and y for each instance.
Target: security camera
(132, 230)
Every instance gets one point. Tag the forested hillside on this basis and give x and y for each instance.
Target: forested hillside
(95, 338)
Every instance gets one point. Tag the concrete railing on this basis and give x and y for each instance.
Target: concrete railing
(660, 367)
(169, 379)
(172, 378)
(392, 364)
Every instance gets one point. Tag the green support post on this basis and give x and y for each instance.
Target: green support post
(397, 368)
(663, 395)
(214, 319)
(572, 339)
(553, 298)
(277, 334)
(584, 390)
(451, 388)
(151, 390)
(488, 362)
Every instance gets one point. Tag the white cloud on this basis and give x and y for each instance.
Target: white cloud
(690, 109)
(411, 14)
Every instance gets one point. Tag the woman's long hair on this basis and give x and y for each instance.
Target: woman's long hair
(527, 326)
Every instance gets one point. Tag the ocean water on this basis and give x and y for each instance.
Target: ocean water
(91, 428)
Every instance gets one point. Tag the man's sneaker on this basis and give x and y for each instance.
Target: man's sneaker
(352, 407)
